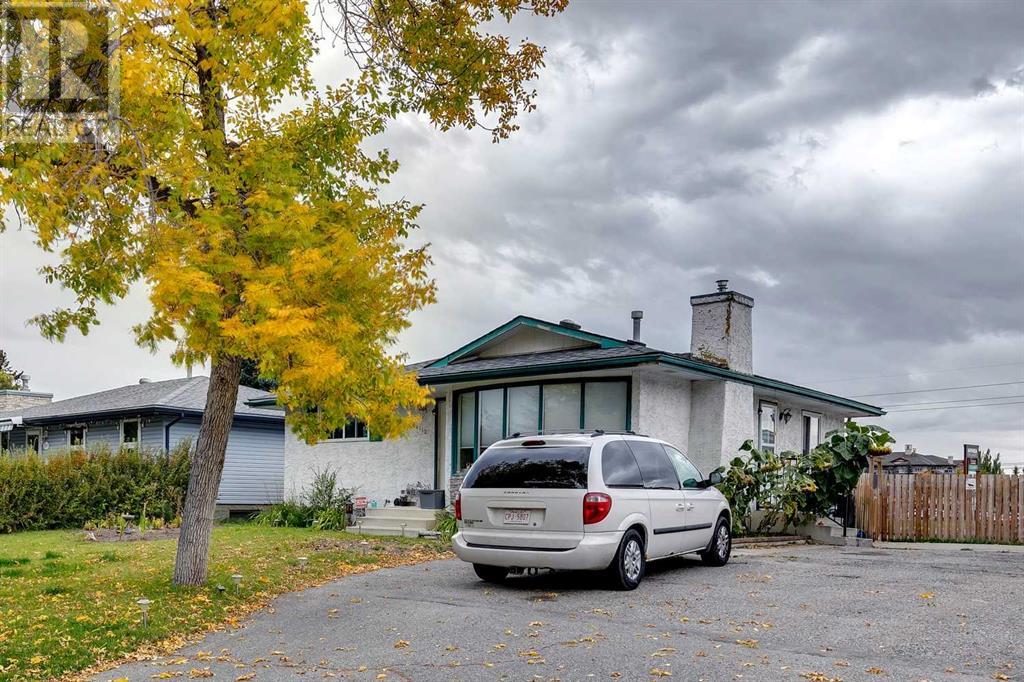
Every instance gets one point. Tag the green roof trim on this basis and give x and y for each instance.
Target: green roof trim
(525, 321)
(654, 357)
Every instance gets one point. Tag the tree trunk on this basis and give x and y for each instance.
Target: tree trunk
(205, 471)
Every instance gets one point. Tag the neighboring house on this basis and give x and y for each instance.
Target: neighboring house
(529, 375)
(156, 415)
(910, 461)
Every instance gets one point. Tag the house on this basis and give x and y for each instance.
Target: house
(156, 415)
(910, 461)
(528, 375)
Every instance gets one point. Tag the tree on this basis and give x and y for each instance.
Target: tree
(10, 378)
(1016, 470)
(259, 228)
(250, 376)
(987, 464)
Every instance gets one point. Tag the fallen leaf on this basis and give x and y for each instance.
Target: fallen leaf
(195, 673)
(401, 644)
(749, 643)
(658, 672)
(243, 678)
(875, 670)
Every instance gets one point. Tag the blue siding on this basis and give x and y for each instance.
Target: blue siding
(254, 465)
(253, 468)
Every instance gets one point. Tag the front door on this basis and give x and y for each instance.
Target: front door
(440, 445)
(668, 507)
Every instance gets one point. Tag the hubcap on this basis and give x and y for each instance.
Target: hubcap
(632, 558)
(722, 542)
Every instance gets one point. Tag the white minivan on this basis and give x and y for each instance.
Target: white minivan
(587, 501)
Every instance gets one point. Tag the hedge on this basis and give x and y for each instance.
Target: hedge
(68, 489)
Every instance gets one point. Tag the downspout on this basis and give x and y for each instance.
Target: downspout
(167, 432)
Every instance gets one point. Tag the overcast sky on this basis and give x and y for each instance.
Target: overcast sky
(857, 168)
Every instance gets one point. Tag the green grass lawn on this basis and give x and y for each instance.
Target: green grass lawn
(67, 604)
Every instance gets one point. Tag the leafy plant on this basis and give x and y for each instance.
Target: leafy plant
(845, 454)
(334, 518)
(446, 525)
(775, 484)
(285, 515)
(987, 464)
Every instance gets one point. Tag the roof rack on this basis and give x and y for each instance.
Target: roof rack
(593, 433)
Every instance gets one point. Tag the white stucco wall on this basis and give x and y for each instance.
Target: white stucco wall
(721, 329)
(661, 407)
(378, 469)
(720, 422)
(790, 437)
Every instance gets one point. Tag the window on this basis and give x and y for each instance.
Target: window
(655, 465)
(687, 473)
(812, 431)
(491, 416)
(32, 441)
(605, 406)
(5, 441)
(561, 407)
(354, 429)
(523, 409)
(485, 416)
(766, 426)
(76, 436)
(467, 430)
(619, 467)
(536, 467)
(130, 433)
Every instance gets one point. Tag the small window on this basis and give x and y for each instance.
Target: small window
(766, 428)
(619, 466)
(5, 441)
(76, 436)
(526, 467)
(655, 465)
(688, 474)
(32, 441)
(812, 431)
(130, 433)
(355, 429)
(467, 430)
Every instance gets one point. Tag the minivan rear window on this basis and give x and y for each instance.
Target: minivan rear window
(536, 467)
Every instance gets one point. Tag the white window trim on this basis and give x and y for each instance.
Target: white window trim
(760, 408)
(138, 433)
(354, 439)
(803, 436)
(38, 433)
(85, 435)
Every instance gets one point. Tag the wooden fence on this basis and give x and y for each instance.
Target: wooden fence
(939, 507)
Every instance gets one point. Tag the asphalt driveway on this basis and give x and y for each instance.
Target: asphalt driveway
(784, 613)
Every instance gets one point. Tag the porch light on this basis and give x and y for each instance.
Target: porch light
(144, 607)
(237, 579)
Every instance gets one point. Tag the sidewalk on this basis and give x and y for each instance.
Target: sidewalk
(950, 546)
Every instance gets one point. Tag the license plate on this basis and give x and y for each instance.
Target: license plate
(517, 517)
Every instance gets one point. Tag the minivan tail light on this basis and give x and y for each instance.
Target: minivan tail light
(596, 507)
(458, 506)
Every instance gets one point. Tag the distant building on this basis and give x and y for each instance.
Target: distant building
(910, 461)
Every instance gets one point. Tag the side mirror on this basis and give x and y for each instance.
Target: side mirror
(715, 477)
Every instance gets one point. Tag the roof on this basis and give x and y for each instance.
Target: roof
(604, 352)
(916, 459)
(175, 395)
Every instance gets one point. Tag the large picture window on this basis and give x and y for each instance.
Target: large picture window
(485, 416)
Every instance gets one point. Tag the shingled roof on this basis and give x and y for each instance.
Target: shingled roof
(175, 395)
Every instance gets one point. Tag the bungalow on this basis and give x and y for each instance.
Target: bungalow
(156, 415)
(529, 375)
(910, 461)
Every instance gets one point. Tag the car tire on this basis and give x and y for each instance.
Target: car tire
(719, 549)
(627, 568)
(491, 574)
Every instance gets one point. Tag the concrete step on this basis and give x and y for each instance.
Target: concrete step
(385, 530)
(401, 512)
(410, 522)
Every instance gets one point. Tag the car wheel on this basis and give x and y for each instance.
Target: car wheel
(490, 574)
(627, 568)
(720, 547)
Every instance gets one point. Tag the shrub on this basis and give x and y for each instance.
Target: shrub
(325, 505)
(285, 514)
(446, 524)
(69, 489)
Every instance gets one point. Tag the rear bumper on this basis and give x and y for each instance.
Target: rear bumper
(595, 551)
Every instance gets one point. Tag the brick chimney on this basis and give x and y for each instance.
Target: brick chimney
(721, 332)
(16, 399)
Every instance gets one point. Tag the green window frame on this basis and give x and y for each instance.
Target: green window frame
(466, 447)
